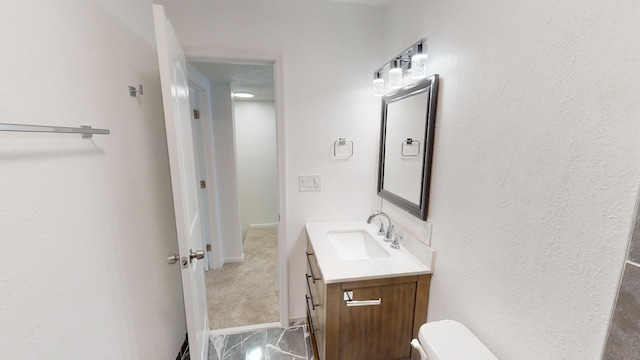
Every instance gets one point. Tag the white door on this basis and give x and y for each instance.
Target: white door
(184, 182)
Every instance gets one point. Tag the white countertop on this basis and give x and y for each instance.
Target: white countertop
(400, 262)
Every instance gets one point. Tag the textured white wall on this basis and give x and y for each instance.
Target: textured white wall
(257, 162)
(535, 165)
(330, 50)
(85, 225)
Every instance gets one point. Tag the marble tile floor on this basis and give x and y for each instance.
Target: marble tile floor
(291, 343)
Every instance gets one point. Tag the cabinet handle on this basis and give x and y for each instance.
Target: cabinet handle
(313, 276)
(312, 328)
(348, 299)
(313, 303)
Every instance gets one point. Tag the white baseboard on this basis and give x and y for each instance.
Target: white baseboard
(234, 259)
(267, 225)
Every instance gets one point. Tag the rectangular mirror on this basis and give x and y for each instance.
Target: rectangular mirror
(406, 146)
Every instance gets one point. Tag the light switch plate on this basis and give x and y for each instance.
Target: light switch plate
(310, 182)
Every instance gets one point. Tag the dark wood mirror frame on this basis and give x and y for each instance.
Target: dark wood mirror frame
(429, 85)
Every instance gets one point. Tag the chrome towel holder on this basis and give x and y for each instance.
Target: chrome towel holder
(407, 145)
(342, 148)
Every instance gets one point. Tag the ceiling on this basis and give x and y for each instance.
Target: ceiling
(256, 79)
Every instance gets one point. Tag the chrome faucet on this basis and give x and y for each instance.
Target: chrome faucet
(389, 232)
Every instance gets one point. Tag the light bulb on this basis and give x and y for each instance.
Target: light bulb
(419, 64)
(395, 78)
(378, 85)
(243, 95)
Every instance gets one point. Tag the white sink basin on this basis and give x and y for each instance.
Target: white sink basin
(356, 244)
(351, 251)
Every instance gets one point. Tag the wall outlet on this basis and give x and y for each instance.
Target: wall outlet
(310, 182)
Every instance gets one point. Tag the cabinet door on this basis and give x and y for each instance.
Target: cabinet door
(378, 332)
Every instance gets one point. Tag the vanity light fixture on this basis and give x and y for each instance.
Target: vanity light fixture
(243, 95)
(419, 63)
(395, 74)
(378, 84)
(413, 59)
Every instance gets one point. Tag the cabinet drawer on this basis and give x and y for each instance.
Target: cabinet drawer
(314, 289)
(312, 264)
(314, 277)
(313, 305)
(312, 315)
(315, 313)
(316, 334)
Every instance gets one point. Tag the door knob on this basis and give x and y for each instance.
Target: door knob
(196, 255)
(173, 258)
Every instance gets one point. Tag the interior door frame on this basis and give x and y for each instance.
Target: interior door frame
(251, 57)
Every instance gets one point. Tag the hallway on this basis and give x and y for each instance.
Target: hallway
(246, 293)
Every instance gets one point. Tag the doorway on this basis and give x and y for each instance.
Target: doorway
(240, 152)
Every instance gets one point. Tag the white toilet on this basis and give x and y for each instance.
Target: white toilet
(449, 340)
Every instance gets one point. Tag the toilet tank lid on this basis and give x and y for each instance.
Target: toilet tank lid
(450, 340)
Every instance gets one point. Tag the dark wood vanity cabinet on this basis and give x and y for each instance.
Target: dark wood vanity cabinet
(374, 331)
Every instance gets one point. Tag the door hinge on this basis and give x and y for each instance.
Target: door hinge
(196, 114)
(203, 184)
(208, 247)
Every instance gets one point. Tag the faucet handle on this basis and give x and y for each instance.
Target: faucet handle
(397, 236)
(389, 235)
(395, 244)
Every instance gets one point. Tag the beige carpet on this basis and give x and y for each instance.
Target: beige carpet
(246, 293)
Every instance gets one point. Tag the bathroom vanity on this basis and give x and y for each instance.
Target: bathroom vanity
(365, 300)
